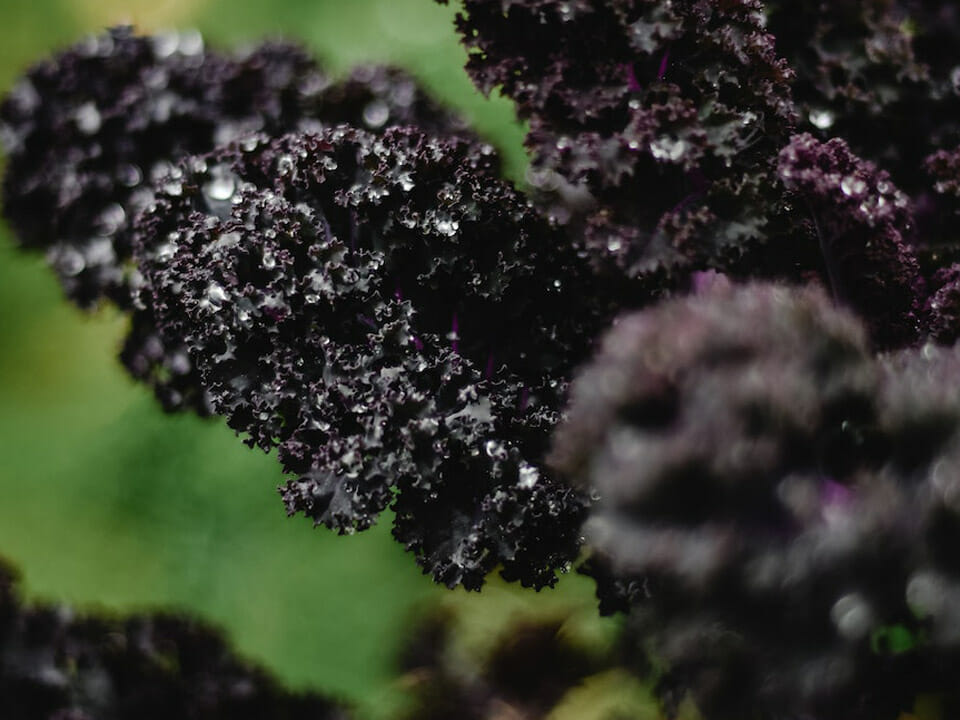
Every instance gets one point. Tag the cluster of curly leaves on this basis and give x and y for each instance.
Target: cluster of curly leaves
(775, 501)
(336, 268)
(58, 665)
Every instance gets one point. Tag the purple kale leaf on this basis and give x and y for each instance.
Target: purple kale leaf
(396, 321)
(773, 499)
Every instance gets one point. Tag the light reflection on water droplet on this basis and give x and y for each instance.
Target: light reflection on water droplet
(376, 113)
(166, 251)
(285, 165)
(130, 175)
(529, 476)
(173, 188)
(112, 219)
(220, 187)
(71, 262)
(165, 44)
(495, 450)
(821, 119)
(447, 226)
(216, 295)
(190, 42)
(88, 118)
(666, 148)
(852, 185)
(406, 182)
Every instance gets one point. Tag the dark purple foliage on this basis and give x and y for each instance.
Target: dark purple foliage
(90, 131)
(943, 305)
(883, 76)
(772, 499)
(394, 319)
(57, 665)
(667, 114)
(861, 224)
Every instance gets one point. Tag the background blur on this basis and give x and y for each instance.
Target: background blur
(106, 502)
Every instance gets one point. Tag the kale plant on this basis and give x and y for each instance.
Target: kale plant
(705, 354)
(58, 665)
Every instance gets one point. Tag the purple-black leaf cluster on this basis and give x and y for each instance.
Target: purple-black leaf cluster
(90, 133)
(862, 225)
(56, 664)
(773, 501)
(396, 321)
(665, 114)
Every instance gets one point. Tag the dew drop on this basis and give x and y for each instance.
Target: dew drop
(495, 450)
(852, 185)
(165, 44)
(216, 295)
(529, 476)
(166, 251)
(403, 94)
(220, 187)
(821, 119)
(376, 113)
(665, 148)
(447, 226)
(159, 170)
(174, 188)
(190, 42)
(285, 166)
(130, 175)
(180, 363)
(71, 262)
(852, 616)
(406, 182)
(112, 219)
(227, 240)
(88, 118)
(269, 260)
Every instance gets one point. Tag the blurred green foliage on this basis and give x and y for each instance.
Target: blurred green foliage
(106, 502)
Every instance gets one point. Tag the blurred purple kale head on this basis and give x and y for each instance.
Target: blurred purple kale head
(760, 464)
(58, 665)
